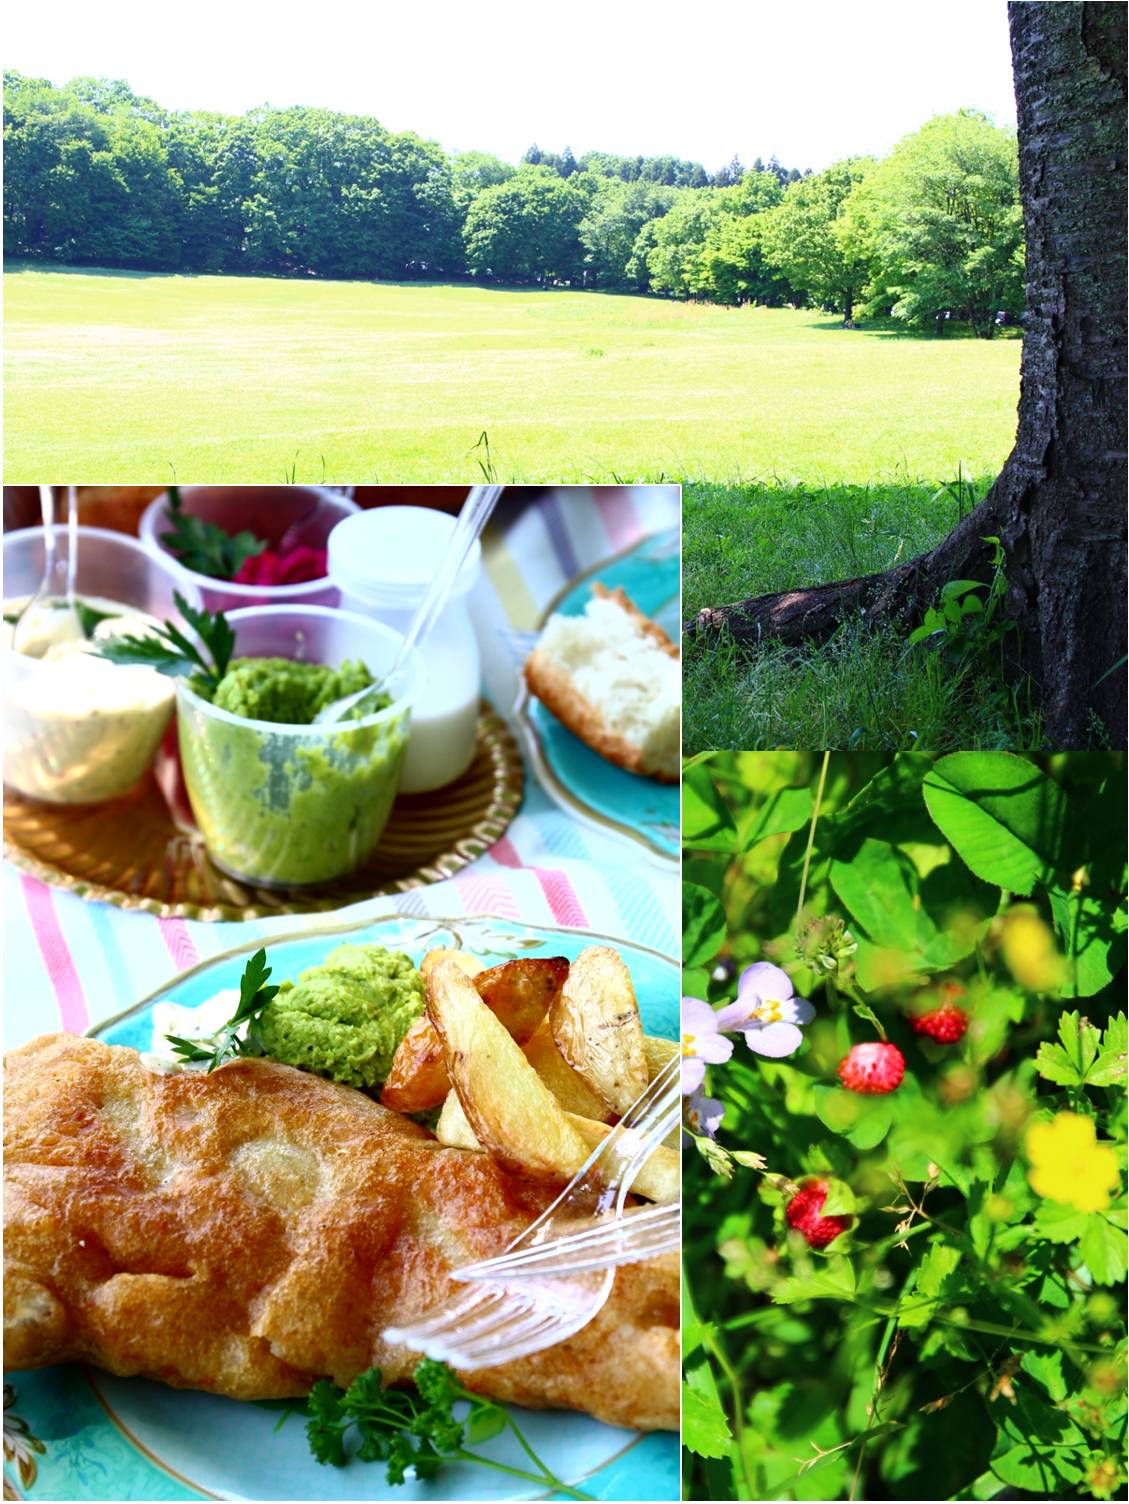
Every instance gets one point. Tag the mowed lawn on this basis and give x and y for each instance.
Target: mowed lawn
(114, 377)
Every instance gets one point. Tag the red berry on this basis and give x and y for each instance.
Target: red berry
(945, 1024)
(803, 1213)
(872, 1068)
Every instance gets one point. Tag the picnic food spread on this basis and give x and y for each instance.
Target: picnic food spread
(613, 677)
(78, 730)
(254, 1228)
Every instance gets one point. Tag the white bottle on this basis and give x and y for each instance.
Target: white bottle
(382, 561)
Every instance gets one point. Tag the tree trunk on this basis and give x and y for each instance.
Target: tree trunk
(1059, 505)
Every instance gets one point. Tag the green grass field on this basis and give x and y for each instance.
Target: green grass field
(115, 377)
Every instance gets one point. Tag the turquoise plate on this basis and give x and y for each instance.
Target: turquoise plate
(580, 781)
(76, 1433)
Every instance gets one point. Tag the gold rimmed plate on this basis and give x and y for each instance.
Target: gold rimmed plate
(144, 851)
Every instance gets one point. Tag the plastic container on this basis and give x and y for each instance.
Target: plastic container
(382, 562)
(289, 806)
(83, 731)
(303, 514)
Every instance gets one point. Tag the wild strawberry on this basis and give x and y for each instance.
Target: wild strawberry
(945, 1024)
(872, 1069)
(803, 1213)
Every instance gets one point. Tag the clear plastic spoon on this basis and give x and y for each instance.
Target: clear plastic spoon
(471, 520)
(54, 588)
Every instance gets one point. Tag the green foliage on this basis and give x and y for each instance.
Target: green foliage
(966, 1336)
(812, 240)
(942, 227)
(525, 229)
(98, 176)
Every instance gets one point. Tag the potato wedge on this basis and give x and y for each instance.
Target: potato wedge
(512, 1112)
(657, 1051)
(519, 992)
(596, 1025)
(470, 964)
(417, 1078)
(658, 1179)
(452, 1128)
(570, 1090)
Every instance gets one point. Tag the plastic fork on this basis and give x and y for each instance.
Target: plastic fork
(498, 1320)
(640, 1233)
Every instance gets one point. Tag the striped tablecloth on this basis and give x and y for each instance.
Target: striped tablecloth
(69, 963)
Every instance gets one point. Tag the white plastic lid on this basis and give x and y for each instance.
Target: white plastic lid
(389, 555)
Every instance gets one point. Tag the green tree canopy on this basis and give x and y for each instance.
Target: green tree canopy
(526, 229)
(941, 222)
(812, 241)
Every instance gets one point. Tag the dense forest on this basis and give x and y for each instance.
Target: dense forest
(98, 176)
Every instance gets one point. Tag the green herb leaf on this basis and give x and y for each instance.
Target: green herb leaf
(89, 617)
(170, 652)
(203, 547)
(254, 997)
(410, 1431)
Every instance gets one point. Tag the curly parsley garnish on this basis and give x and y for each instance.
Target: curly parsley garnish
(417, 1431)
(203, 547)
(169, 651)
(254, 996)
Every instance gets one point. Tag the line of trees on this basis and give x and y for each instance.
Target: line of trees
(98, 176)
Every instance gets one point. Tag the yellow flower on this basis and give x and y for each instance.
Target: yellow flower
(1069, 1165)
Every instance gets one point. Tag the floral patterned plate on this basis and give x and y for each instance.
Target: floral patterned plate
(580, 781)
(77, 1433)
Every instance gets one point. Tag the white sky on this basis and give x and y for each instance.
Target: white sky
(811, 81)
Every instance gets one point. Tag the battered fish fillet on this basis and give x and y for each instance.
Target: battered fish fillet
(252, 1231)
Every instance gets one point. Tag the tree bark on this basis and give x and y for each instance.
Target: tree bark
(1059, 504)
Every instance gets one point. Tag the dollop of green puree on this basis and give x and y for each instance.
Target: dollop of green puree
(289, 693)
(290, 808)
(344, 1018)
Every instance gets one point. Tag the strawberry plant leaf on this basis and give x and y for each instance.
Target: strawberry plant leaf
(1103, 1248)
(1002, 815)
(707, 821)
(1068, 1063)
(787, 810)
(705, 1429)
(1109, 1067)
(1093, 949)
(703, 925)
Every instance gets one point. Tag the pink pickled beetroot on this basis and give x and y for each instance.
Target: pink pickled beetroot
(294, 567)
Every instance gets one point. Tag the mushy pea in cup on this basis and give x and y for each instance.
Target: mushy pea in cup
(286, 805)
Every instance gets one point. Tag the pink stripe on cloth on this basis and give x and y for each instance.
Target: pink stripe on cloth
(485, 895)
(560, 895)
(73, 1013)
(505, 853)
(181, 946)
(617, 511)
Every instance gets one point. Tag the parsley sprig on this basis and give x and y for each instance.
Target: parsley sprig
(202, 546)
(170, 651)
(417, 1430)
(254, 996)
